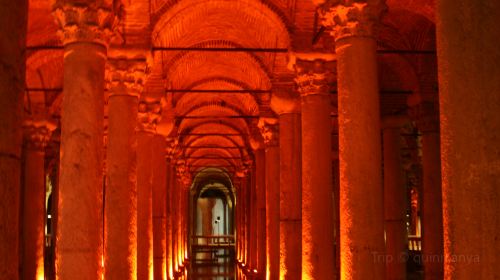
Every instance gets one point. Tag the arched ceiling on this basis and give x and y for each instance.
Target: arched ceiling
(216, 96)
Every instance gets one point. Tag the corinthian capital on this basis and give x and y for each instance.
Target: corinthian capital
(346, 18)
(126, 76)
(269, 129)
(81, 21)
(313, 76)
(37, 134)
(149, 115)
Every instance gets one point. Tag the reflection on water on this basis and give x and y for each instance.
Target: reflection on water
(214, 266)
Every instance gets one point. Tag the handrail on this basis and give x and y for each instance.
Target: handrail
(212, 239)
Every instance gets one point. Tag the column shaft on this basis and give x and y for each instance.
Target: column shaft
(14, 16)
(144, 206)
(159, 166)
(78, 252)
(361, 193)
(169, 219)
(260, 196)
(290, 196)
(395, 205)
(470, 129)
(273, 212)
(121, 189)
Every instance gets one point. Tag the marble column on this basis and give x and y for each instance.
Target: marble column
(37, 135)
(269, 130)
(79, 232)
(260, 211)
(169, 219)
(394, 200)
(361, 191)
(14, 16)
(159, 166)
(313, 77)
(148, 117)
(470, 128)
(424, 109)
(290, 195)
(125, 78)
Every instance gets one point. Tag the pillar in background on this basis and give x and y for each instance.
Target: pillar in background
(159, 166)
(424, 109)
(14, 16)
(313, 78)
(269, 131)
(394, 199)
(125, 78)
(37, 135)
(286, 104)
(168, 206)
(361, 191)
(148, 117)
(85, 36)
(470, 128)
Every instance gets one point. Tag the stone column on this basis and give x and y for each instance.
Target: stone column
(85, 29)
(148, 116)
(313, 77)
(37, 135)
(290, 191)
(169, 219)
(159, 166)
(260, 211)
(361, 191)
(425, 111)
(394, 200)
(125, 78)
(470, 129)
(14, 16)
(269, 130)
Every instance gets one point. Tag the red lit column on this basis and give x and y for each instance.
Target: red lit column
(37, 135)
(361, 191)
(288, 109)
(260, 212)
(84, 35)
(169, 219)
(159, 166)
(394, 200)
(313, 77)
(269, 130)
(125, 78)
(148, 116)
(470, 129)
(14, 17)
(425, 110)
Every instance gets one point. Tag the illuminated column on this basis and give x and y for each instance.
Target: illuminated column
(269, 130)
(394, 200)
(125, 78)
(37, 135)
(169, 210)
(260, 211)
(361, 191)
(159, 166)
(288, 109)
(470, 129)
(426, 113)
(313, 77)
(14, 16)
(174, 202)
(85, 29)
(148, 116)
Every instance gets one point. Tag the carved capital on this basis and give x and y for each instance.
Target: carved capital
(314, 77)
(285, 99)
(346, 18)
(85, 22)
(126, 76)
(424, 110)
(269, 129)
(37, 134)
(149, 114)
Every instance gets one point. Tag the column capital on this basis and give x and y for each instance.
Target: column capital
(346, 18)
(269, 129)
(126, 73)
(313, 75)
(424, 110)
(285, 100)
(85, 22)
(37, 133)
(149, 114)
